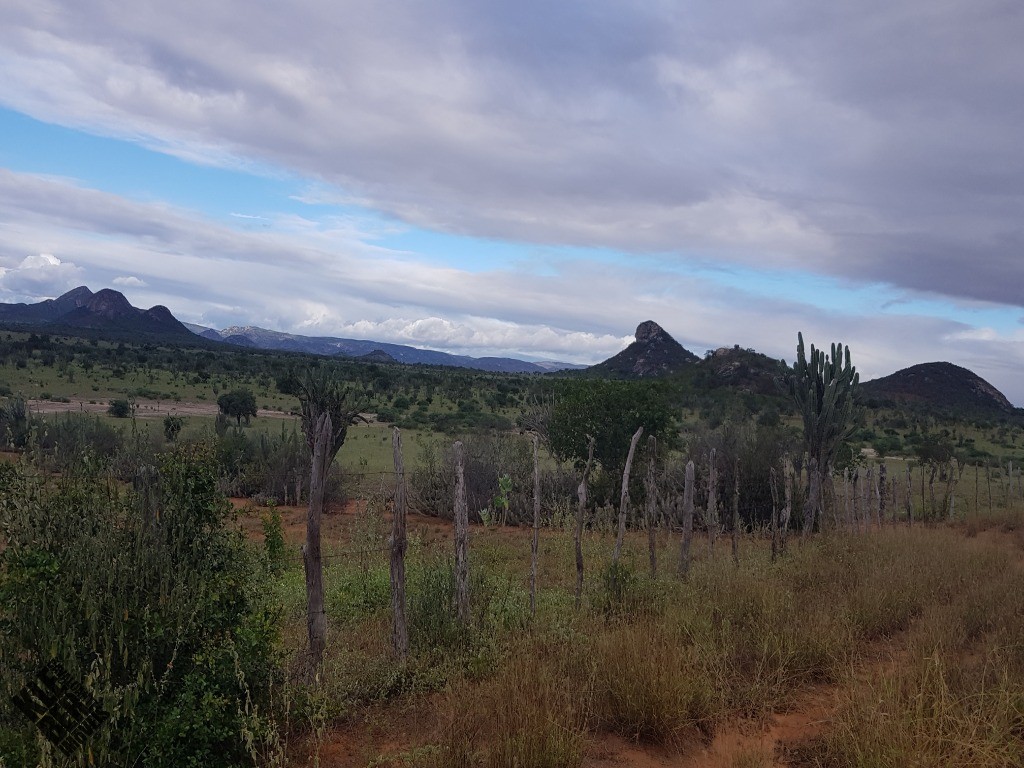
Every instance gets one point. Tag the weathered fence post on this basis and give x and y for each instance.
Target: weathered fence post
(846, 498)
(787, 511)
(461, 537)
(736, 515)
(954, 479)
(773, 483)
(712, 507)
(624, 501)
(881, 495)
(684, 552)
(813, 496)
(581, 495)
(909, 499)
(399, 543)
(651, 491)
(535, 543)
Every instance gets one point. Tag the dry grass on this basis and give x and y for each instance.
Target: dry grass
(665, 661)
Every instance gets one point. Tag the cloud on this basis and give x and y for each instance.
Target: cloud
(37, 276)
(879, 143)
(129, 282)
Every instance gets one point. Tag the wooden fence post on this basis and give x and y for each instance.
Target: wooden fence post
(624, 501)
(399, 544)
(773, 482)
(684, 552)
(883, 487)
(581, 495)
(535, 543)
(461, 537)
(736, 515)
(787, 511)
(651, 491)
(712, 508)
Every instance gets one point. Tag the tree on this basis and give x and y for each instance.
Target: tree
(328, 408)
(608, 411)
(120, 409)
(172, 427)
(239, 403)
(823, 389)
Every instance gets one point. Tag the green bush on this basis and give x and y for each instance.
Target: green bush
(170, 635)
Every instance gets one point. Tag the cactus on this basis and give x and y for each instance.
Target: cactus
(823, 389)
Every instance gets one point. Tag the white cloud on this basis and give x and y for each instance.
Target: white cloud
(129, 282)
(38, 276)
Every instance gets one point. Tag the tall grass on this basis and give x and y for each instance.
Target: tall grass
(666, 662)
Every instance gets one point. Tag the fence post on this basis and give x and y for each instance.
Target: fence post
(624, 501)
(712, 510)
(461, 537)
(535, 543)
(651, 490)
(399, 543)
(736, 516)
(581, 495)
(684, 553)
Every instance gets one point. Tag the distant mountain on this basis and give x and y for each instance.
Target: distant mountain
(105, 310)
(45, 311)
(330, 345)
(654, 353)
(941, 386)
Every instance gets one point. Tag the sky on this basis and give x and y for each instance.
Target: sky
(530, 179)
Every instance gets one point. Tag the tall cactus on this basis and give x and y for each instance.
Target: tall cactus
(823, 389)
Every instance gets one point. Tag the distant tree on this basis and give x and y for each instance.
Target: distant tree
(823, 389)
(239, 403)
(120, 409)
(172, 427)
(329, 407)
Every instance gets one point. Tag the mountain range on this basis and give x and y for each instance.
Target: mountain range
(108, 310)
(654, 353)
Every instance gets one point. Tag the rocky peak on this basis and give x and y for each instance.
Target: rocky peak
(649, 331)
(110, 304)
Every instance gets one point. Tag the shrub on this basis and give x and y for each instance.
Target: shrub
(120, 409)
(169, 635)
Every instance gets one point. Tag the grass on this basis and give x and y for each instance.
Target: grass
(667, 663)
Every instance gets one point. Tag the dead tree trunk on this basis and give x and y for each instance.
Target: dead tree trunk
(581, 507)
(461, 538)
(736, 515)
(399, 543)
(316, 621)
(651, 491)
(684, 552)
(535, 543)
(624, 501)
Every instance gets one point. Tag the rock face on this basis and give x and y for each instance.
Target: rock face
(654, 353)
(942, 386)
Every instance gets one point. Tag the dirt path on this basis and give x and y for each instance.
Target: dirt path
(151, 409)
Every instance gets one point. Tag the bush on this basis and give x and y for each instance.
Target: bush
(120, 409)
(169, 635)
